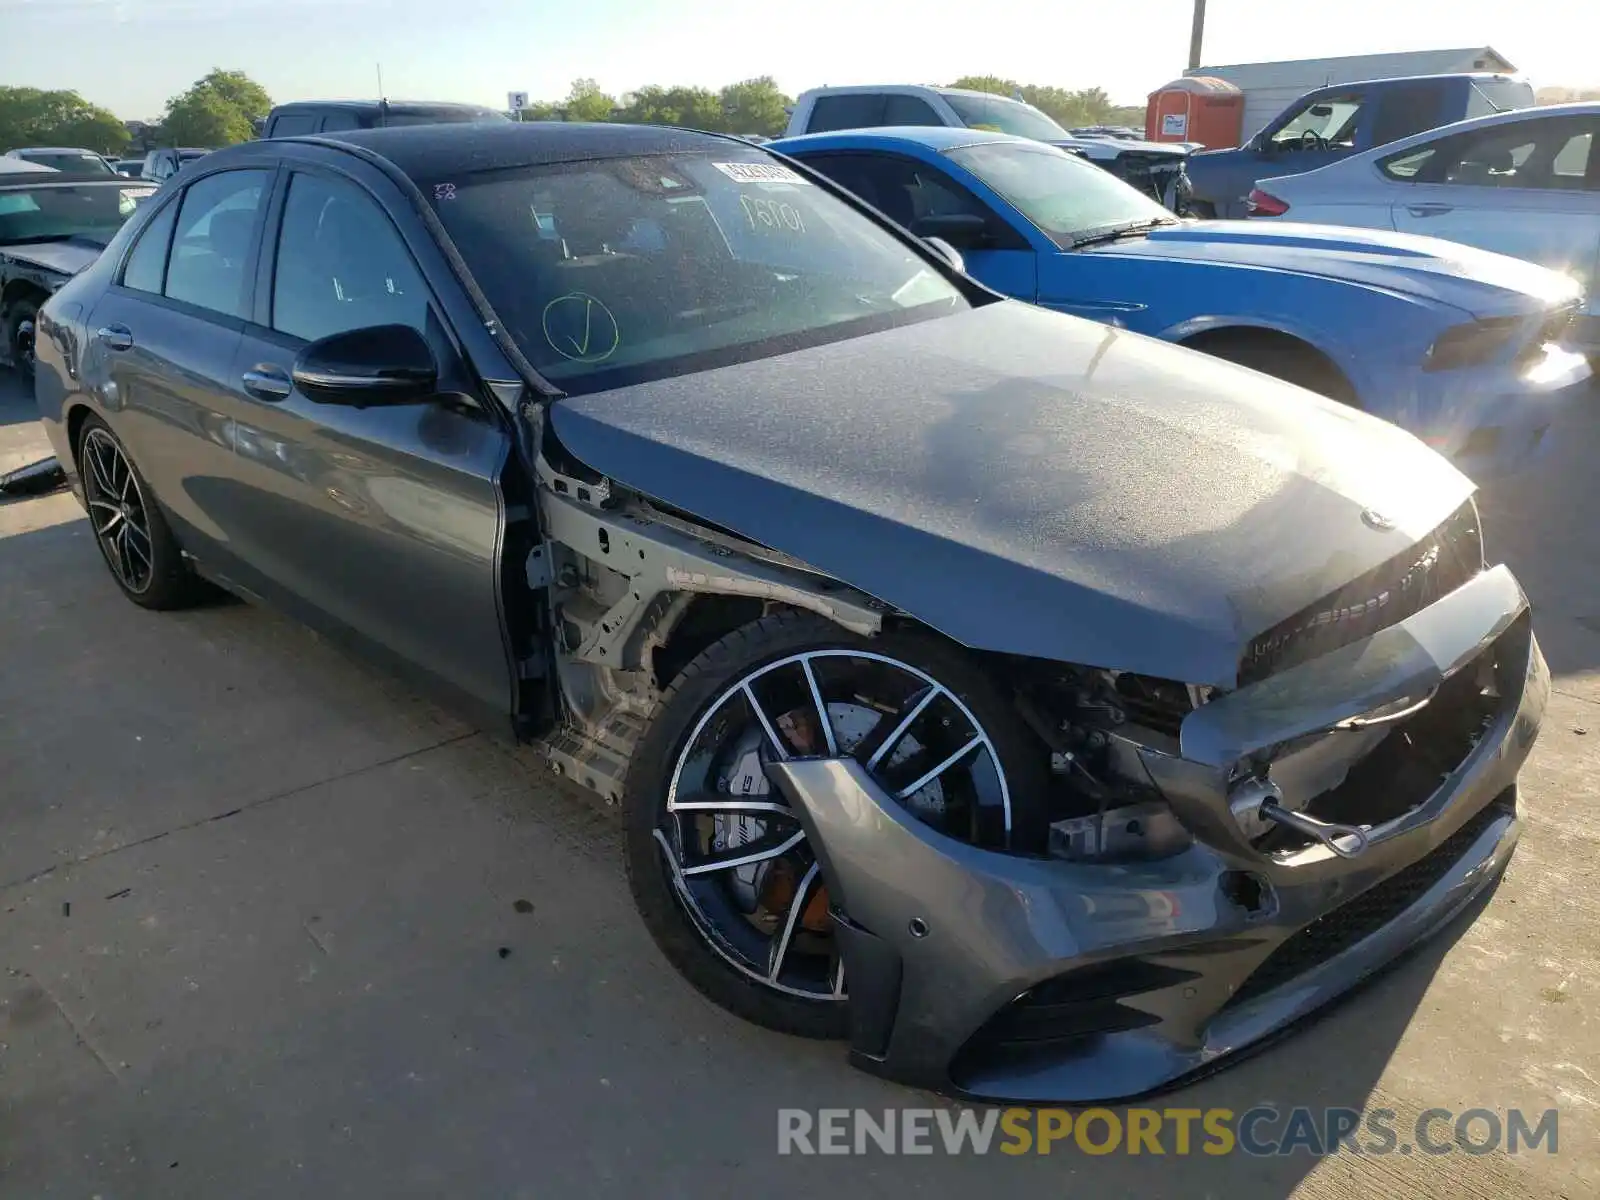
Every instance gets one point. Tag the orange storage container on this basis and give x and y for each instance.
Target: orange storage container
(1196, 108)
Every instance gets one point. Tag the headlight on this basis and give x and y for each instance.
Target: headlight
(1472, 344)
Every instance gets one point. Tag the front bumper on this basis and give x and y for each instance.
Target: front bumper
(1002, 978)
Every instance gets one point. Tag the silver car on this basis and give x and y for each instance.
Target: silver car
(1525, 183)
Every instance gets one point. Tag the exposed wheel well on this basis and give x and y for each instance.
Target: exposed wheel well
(1279, 354)
(708, 619)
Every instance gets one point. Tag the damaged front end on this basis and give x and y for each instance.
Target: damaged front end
(1225, 861)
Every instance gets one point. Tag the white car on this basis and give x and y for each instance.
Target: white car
(1525, 183)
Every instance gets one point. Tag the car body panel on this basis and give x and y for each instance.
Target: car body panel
(1373, 302)
(1143, 560)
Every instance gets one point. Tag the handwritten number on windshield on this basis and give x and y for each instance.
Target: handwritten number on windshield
(764, 213)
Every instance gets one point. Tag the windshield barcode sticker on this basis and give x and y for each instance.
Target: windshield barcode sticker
(749, 172)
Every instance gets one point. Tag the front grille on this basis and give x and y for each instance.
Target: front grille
(1338, 930)
(1384, 596)
(1070, 1011)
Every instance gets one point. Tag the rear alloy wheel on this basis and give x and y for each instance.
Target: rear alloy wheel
(719, 863)
(129, 527)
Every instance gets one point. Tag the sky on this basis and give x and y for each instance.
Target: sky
(131, 55)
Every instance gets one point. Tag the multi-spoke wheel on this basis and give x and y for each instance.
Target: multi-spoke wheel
(719, 862)
(128, 525)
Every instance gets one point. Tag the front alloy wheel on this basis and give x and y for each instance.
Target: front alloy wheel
(720, 863)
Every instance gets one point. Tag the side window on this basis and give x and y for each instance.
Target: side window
(211, 245)
(909, 110)
(1576, 164)
(1412, 165)
(147, 263)
(338, 118)
(847, 110)
(291, 124)
(341, 264)
(1501, 156)
(906, 191)
(1403, 111)
(1328, 123)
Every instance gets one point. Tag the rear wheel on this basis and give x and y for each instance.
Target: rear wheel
(1281, 356)
(719, 863)
(129, 527)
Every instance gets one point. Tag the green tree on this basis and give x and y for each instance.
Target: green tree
(204, 119)
(755, 106)
(586, 102)
(220, 109)
(32, 117)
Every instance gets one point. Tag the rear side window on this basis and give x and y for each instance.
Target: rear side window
(339, 119)
(292, 124)
(1487, 96)
(909, 110)
(147, 263)
(849, 110)
(211, 244)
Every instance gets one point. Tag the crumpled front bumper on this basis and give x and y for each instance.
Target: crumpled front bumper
(1002, 978)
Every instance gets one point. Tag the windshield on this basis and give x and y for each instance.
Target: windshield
(55, 212)
(613, 271)
(1004, 116)
(1059, 192)
(79, 162)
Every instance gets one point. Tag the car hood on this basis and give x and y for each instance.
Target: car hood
(1032, 483)
(1479, 281)
(1116, 147)
(65, 258)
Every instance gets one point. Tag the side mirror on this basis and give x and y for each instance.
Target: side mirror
(381, 364)
(958, 229)
(947, 252)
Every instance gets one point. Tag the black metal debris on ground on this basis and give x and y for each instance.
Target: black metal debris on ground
(35, 479)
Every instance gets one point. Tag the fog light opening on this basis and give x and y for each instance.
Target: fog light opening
(1249, 892)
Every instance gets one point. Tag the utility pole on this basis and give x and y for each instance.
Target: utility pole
(1197, 33)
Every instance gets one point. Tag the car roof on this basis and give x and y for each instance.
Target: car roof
(373, 105)
(932, 137)
(435, 151)
(40, 176)
(1388, 80)
(22, 150)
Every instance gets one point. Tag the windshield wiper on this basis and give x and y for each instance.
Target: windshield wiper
(1131, 229)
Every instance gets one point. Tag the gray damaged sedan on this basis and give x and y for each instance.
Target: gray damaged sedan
(1048, 710)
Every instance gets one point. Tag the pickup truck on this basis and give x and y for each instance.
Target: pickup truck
(1337, 121)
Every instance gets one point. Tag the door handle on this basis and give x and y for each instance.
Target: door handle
(115, 337)
(266, 382)
(1428, 210)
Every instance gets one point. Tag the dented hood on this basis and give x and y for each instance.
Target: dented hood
(1032, 483)
(65, 257)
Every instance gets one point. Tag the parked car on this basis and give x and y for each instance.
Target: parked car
(63, 158)
(162, 164)
(52, 225)
(1153, 167)
(131, 167)
(327, 116)
(1385, 323)
(1019, 696)
(1522, 183)
(1336, 122)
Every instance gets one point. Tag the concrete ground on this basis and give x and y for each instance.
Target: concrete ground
(272, 926)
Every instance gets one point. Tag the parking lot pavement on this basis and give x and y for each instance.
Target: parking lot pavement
(271, 926)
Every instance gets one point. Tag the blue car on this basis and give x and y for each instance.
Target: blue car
(1458, 346)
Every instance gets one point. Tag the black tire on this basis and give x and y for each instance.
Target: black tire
(1281, 357)
(171, 583)
(19, 347)
(700, 684)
